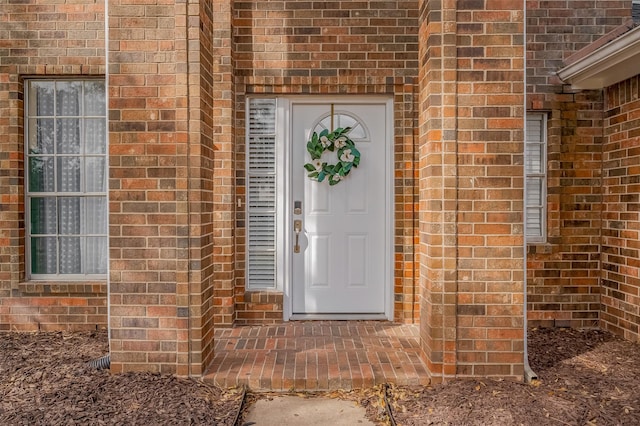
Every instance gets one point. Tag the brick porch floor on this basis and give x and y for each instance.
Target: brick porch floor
(317, 355)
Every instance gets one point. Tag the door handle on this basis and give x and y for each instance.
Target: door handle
(297, 228)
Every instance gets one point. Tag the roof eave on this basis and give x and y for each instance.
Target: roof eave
(608, 65)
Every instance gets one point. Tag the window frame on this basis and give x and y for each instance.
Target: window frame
(541, 117)
(57, 193)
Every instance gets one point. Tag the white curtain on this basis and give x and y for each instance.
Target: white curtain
(95, 223)
(66, 148)
(95, 178)
(68, 175)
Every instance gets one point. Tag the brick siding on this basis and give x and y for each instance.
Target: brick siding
(202, 189)
(563, 279)
(179, 76)
(225, 234)
(331, 48)
(471, 183)
(161, 94)
(53, 39)
(621, 211)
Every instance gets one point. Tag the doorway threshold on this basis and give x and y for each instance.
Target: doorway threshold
(338, 317)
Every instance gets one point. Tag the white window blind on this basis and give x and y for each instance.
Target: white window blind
(261, 194)
(536, 177)
(66, 179)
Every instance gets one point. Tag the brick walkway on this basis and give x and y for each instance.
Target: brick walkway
(317, 355)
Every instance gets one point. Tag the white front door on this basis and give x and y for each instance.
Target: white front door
(342, 265)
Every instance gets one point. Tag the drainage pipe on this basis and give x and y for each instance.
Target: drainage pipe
(102, 363)
(106, 119)
(529, 374)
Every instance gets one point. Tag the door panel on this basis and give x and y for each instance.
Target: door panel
(319, 268)
(341, 267)
(357, 260)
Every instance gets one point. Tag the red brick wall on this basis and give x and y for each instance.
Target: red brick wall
(179, 75)
(53, 39)
(563, 273)
(621, 211)
(335, 47)
(225, 254)
(471, 183)
(201, 187)
(161, 162)
(431, 193)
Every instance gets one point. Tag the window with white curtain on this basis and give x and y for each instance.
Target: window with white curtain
(535, 155)
(66, 179)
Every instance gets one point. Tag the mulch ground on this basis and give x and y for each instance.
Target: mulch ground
(45, 380)
(585, 378)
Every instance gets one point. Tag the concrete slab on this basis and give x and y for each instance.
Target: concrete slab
(294, 410)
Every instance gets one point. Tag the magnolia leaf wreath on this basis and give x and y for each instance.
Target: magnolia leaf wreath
(338, 142)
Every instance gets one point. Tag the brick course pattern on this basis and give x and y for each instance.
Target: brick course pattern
(471, 182)
(179, 76)
(162, 93)
(224, 135)
(319, 355)
(330, 48)
(620, 298)
(58, 38)
(202, 195)
(563, 277)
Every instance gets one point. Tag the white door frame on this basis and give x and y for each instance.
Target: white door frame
(285, 201)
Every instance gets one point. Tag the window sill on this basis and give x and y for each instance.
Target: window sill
(44, 287)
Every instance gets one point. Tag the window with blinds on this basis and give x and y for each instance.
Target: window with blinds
(535, 156)
(261, 194)
(66, 178)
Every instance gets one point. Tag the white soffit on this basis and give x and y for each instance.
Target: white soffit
(616, 61)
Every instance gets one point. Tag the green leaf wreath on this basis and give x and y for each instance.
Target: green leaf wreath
(338, 142)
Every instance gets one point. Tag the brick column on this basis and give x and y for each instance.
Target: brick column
(471, 187)
(203, 191)
(157, 282)
(431, 209)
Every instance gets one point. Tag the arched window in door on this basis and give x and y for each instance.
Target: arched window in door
(343, 119)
